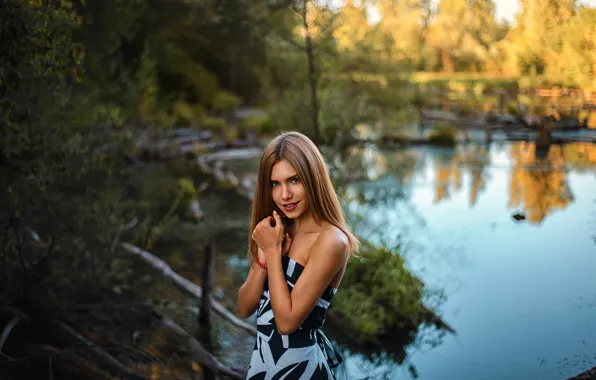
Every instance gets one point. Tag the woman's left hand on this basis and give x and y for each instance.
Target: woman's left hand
(267, 237)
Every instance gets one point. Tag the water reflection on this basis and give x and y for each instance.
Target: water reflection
(451, 166)
(489, 306)
(538, 177)
(374, 183)
(538, 181)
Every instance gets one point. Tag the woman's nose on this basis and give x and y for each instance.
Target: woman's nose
(286, 193)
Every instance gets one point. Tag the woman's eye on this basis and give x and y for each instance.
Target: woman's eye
(294, 180)
(273, 184)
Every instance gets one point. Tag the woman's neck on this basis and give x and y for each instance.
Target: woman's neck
(303, 223)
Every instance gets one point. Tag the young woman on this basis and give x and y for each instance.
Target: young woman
(299, 245)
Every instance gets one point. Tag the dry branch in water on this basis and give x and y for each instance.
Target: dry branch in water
(187, 286)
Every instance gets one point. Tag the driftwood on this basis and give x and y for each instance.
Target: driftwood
(110, 363)
(199, 353)
(187, 286)
(242, 187)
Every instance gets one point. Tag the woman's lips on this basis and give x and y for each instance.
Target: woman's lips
(290, 206)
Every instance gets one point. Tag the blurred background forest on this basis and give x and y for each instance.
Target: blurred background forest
(133, 126)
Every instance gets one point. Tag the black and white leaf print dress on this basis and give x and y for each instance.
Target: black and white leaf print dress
(304, 354)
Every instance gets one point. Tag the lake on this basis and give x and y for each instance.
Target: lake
(520, 294)
(503, 236)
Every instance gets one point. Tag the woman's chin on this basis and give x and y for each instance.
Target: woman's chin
(289, 214)
(294, 214)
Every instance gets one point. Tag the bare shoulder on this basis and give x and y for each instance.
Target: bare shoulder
(333, 242)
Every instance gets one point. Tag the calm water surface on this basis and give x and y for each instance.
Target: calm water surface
(521, 294)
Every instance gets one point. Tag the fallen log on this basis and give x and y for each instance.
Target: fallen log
(242, 187)
(187, 286)
(109, 362)
(200, 354)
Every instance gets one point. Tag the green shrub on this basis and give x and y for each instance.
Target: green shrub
(269, 127)
(186, 113)
(225, 101)
(512, 108)
(260, 124)
(379, 294)
(230, 135)
(444, 134)
(215, 124)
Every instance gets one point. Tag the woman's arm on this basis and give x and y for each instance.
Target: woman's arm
(250, 292)
(327, 256)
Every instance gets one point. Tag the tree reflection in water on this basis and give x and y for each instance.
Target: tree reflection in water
(451, 165)
(374, 182)
(382, 305)
(538, 177)
(538, 181)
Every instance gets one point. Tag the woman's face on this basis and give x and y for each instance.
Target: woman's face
(287, 190)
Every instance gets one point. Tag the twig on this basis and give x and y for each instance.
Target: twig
(6, 332)
(121, 229)
(20, 248)
(46, 255)
(187, 286)
(50, 369)
(18, 315)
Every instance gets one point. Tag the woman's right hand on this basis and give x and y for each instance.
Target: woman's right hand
(287, 243)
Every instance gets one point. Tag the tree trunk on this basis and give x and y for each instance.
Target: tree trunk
(543, 139)
(205, 327)
(312, 78)
(447, 61)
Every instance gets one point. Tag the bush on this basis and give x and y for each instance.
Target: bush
(225, 101)
(259, 124)
(379, 294)
(444, 134)
(215, 124)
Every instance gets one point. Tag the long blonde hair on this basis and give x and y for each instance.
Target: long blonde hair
(305, 157)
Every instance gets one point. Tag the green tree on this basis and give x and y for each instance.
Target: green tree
(464, 32)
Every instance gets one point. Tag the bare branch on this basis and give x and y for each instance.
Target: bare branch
(51, 245)
(6, 332)
(187, 286)
(121, 229)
